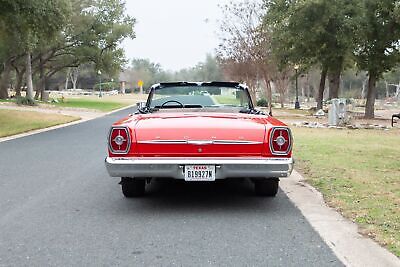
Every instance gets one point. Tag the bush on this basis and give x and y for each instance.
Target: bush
(25, 101)
(262, 102)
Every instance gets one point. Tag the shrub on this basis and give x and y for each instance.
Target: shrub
(262, 102)
(25, 101)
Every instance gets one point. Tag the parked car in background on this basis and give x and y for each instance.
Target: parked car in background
(183, 133)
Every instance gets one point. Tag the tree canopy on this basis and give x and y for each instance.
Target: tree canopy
(52, 35)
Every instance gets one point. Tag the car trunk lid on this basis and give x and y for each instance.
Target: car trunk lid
(199, 136)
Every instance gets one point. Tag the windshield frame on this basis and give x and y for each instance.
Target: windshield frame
(234, 85)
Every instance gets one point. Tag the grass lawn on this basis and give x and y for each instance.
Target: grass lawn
(293, 111)
(358, 172)
(226, 100)
(100, 104)
(15, 122)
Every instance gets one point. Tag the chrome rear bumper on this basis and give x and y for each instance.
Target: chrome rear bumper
(174, 167)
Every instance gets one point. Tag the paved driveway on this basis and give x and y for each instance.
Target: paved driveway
(59, 207)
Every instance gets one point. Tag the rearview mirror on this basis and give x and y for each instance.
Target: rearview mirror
(141, 105)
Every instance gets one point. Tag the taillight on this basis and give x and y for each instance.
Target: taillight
(119, 140)
(280, 141)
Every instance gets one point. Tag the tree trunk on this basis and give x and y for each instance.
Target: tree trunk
(364, 85)
(29, 83)
(20, 78)
(252, 91)
(321, 89)
(74, 74)
(308, 88)
(269, 95)
(387, 89)
(74, 84)
(37, 92)
(41, 83)
(5, 80)
(67, 80)
(334, 84)
(371, 95)
(282, 99)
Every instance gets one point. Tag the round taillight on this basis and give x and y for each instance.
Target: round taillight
(119, 140)
(280, 140)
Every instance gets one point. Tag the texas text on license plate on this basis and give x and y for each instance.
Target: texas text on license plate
(199, 173)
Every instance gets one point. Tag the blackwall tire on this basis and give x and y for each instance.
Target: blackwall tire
(266, 187)
(133, 187)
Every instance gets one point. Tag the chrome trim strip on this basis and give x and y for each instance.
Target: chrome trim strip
(202, 142)
(163, 142)
(236, 142)
(200, 161)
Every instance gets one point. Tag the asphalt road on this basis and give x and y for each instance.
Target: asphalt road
(58, 207)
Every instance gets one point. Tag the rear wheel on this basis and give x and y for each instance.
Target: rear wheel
(133, 187)
(266, 187)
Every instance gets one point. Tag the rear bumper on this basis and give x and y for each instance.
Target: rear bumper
(225, 167)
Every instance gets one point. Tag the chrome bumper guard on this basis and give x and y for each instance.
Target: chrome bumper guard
(225, 167)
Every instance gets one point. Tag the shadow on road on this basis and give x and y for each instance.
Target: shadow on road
(225, 196)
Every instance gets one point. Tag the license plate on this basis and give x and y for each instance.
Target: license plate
(199, 173)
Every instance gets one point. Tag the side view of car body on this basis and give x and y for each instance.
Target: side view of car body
(183, 133)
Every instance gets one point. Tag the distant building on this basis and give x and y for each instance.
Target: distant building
(123, 80)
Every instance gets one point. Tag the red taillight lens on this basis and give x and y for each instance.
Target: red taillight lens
(119, 140)
(280, 141)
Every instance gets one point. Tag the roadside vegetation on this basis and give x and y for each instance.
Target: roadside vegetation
(15, 122)
(358, 172)
(43, 38)
(96, 104)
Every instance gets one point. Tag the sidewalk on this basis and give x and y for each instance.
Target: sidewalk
(339, 233)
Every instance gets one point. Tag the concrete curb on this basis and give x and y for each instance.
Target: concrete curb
(12, 137)
(339, 233)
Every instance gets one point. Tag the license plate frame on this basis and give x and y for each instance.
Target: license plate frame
(199, 173)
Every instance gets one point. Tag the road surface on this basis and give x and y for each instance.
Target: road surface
(58, 207)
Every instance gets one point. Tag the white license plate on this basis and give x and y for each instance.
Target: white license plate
(199, 173)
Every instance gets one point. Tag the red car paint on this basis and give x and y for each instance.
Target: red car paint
(198, 126)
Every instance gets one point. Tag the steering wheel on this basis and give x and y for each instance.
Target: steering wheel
(173, 101)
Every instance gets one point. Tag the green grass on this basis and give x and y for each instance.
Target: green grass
(96, 104)
(226, 100)
(295, 111)
(358, 172)
(15, 122)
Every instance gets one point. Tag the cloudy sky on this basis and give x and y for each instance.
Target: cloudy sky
(174, 33)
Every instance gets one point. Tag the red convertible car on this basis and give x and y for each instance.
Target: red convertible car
(199, 132)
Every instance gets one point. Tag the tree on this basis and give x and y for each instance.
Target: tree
(92, 34)
(151, 73)
(378, 46)
(28, 22)
(147, 71)
(63, 34)
(245, 50)
(315, 32)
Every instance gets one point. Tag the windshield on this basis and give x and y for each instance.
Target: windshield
(199, 97)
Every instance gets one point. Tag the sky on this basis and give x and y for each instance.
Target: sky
(175, 33)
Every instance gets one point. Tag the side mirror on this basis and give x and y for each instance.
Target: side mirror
(141, 105)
